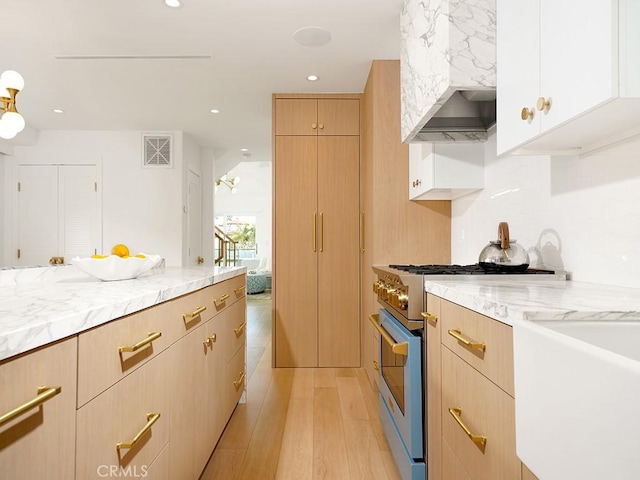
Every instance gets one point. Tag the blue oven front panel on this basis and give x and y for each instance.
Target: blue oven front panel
(409, 419)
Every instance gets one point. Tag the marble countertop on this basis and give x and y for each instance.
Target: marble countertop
(41, 305)
(510, 302)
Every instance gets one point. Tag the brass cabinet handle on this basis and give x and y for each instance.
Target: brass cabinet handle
(397, 348)
(375, 365)
(362, 231)
(238, 331)
(210, 340)
(150, 338)
(44, 394)
(315, 231)
(200, 260)
(321, 126)
(151, 419)
(322, 232)
(526, 114)
(479, 440)
(240, 289)
(220, 300)
(314, 125)
(194, 314)
(238, 382)
(416, 183)
(543, 104)
(429, 317)
(457, 334)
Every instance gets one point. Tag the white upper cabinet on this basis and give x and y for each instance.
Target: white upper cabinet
(568, 74)
(445, 171)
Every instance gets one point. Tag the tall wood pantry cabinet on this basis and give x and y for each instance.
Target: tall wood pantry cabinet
(316, 230)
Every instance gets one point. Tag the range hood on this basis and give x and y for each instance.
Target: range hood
(448, 70)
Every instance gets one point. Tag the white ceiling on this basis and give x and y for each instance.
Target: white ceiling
(254, 55)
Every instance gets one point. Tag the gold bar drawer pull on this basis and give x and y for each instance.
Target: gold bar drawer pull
(397, 348)
(194, 314)
(240, 289)
(238, 331)
(237, 383)
(44, 394)
(429, 317)
(151, 419)
(150, 338)
(457, 334)
(220, 301)
(479, 440)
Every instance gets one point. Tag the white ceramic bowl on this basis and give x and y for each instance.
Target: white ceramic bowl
(116, 268)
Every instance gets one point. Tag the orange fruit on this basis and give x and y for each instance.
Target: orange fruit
(120, 250)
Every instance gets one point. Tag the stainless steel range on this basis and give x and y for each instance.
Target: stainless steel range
(400, 291)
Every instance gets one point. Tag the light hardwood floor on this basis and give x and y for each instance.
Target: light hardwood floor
(297, 424)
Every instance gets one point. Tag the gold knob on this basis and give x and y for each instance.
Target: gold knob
(210, 340)
(321, 126)
(200, 260)
(526, 114)
(314, 125)
(543, 104)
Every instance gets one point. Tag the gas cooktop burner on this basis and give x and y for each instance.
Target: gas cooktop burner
(475, 269)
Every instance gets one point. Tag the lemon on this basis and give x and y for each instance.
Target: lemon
(120, 250)
(98, 256)
(139, 255)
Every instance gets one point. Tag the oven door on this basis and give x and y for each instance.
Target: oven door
(401, 380)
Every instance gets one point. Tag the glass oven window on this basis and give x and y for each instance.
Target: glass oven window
(393, 373)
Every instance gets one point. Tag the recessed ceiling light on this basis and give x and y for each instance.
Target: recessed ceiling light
(244, 149)
(172, 3)
(57, 110)
(215, 110)
(312, 78)
(312, 36)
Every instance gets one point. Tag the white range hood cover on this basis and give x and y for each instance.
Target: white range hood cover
(447, 46)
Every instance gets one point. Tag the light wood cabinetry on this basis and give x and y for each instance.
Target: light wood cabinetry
(476, 396)
(395, 230)
(146, 395)
(316, 234)
(549, 99)
(445, 171)
(433, 387)
(40, 442)
(317, 116)
(127, 425)
(527, 474)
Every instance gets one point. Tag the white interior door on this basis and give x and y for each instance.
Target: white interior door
(79, 232)
(37, 214)
(194, 219)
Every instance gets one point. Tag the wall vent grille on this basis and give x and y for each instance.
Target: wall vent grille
(157, 150)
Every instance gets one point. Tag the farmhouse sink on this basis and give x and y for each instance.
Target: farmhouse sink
(577, 389)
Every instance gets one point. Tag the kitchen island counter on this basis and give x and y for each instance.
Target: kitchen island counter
(39, 306)
(512, 301)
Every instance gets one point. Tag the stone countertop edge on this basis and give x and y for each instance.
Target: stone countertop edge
(511, 302)
(34, 315)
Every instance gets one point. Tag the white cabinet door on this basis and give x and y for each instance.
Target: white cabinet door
(59, 213)
(78, 218)
(578, 57)
(518, 56)
(445, 171)
(37, 214)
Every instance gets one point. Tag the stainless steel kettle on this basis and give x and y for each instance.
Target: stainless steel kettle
(503, 255)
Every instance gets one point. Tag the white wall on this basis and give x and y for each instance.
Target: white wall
(580, 214)
(252, 198)
(142, 207)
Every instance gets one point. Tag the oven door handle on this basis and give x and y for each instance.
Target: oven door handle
(401, 348)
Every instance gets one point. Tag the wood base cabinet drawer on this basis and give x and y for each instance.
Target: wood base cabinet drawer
(39, 442)
(220, 296)
(127, 425)
(110, 352)
(473, 409)
(452, 469)
(159, 469)
(235, 382)
(233, 330)
(484, 343)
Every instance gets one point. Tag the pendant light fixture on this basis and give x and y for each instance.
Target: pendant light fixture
(11, 122)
